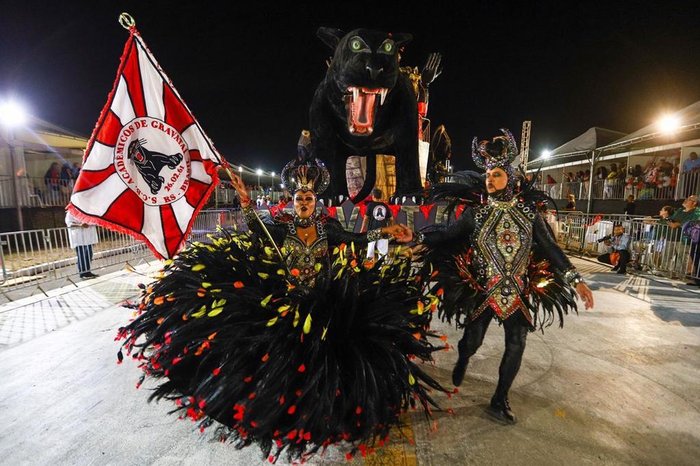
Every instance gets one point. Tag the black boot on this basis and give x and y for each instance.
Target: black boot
(500, 410)
(459, 370)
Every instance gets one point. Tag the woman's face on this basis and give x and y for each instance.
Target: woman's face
(663, 213)
(496, 180)
(304, 203)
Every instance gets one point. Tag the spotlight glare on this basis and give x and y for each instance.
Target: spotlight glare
(12, 114)
(669, 124)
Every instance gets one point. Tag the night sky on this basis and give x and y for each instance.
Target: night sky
(249, 76)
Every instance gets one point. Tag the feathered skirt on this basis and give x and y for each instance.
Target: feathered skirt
(236, 341)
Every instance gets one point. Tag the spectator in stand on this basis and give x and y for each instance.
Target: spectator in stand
(75, 170)
(601, 175)
(571, 205)
(610, 182)
(52, 181)
(692, 163)
(691, 173)
(630, 206)
(618, 254)
(674, 179)
(551, 183)
(629, 183)
(586, 179)
(66, 180)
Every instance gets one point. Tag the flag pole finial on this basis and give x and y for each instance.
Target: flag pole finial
(126, 20)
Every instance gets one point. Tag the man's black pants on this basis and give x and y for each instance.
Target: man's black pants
(516, 329)
(622, 263)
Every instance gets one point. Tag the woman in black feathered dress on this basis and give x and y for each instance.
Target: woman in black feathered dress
(292, 349)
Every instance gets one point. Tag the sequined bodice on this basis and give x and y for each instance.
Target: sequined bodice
(503, 240)
(309, 260)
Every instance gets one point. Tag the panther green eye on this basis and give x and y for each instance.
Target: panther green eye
(356, 44)
(387, 47)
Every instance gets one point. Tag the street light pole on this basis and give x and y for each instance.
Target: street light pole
(12, 115)
(15, 184)
(259, 172)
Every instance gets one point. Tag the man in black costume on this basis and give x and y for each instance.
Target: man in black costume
(499, 274)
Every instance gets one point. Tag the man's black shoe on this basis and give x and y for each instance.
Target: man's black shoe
(458, 371)
(614, 269)
(499, 409)
(621, 272)
(693, 284)
(88, 275)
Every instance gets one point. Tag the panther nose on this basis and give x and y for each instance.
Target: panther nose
(373, 72)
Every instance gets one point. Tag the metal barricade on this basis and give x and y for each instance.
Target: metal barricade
(655, 247)
(38, 256)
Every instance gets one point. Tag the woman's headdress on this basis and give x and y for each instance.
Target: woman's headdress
(305, 173)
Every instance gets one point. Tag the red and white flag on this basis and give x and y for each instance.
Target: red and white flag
(149, 167)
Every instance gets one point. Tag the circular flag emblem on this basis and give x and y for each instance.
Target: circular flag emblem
(152, 159)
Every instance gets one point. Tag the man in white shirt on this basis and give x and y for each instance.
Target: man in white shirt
(81, 237)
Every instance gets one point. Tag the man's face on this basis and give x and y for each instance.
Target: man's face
(496, 180)
(663, 213)
(690, 203)
(304, 203)
(618, 231)
(693, 156)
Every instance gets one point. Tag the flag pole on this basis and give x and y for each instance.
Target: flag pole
(227, 168)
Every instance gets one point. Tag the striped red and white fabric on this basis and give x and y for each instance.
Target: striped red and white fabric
(149, 167)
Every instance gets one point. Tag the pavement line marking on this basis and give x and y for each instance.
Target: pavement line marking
(401, 450)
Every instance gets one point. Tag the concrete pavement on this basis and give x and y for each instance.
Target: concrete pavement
(616, 385)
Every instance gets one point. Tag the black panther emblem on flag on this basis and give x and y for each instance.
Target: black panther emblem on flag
(150, 163)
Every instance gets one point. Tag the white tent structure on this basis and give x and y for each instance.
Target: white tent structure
(639, 147)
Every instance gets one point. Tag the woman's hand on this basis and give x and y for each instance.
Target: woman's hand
(239, 186)
(586, 295)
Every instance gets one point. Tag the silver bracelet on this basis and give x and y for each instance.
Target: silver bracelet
(572, 277)
(418, 237)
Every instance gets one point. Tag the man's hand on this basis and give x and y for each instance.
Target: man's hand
(401, 233)
(585, 294)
